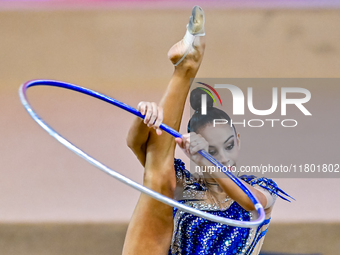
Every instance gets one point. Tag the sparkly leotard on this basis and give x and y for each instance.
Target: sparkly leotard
(196, 236)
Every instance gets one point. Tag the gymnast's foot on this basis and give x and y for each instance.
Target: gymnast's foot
(189, 51)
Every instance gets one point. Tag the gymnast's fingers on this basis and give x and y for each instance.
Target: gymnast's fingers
(141, 107)
(187, 143)
(159, 120)
(148, 113)
(159, 131)
(154, 114)
(179, 141)
(193, 138)
(186, 139)
(198, 147)
(198, 143)
(159, 117)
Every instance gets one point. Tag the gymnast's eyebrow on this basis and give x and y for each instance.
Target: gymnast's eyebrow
(228, 139)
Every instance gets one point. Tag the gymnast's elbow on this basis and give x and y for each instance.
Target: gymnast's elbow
(135, 145)
(248, 204)
(131, 143)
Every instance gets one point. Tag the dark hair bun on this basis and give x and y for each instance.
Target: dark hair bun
(196, 98)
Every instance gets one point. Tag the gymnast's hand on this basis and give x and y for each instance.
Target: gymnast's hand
(191, 143)
(153, 115)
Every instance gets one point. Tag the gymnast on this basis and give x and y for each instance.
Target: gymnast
(156, 228)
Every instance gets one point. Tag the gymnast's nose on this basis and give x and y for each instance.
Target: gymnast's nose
(224, 160)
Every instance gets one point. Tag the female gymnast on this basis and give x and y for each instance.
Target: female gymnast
(156, 228)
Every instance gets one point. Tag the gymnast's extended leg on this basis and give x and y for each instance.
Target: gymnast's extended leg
(151, 226)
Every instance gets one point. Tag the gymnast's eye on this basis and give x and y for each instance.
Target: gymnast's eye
(230, 146)
(212, 151)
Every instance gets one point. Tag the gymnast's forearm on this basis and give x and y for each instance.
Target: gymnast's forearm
(236, 193)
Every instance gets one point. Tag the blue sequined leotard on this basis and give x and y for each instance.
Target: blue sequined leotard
(196, 236)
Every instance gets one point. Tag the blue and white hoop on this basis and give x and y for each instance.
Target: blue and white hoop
(122, 178)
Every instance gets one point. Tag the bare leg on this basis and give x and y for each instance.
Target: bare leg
(151, 226)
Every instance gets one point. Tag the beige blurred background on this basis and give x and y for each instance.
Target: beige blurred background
(53, 202)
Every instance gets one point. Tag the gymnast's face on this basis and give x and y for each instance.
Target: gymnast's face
(223, 145)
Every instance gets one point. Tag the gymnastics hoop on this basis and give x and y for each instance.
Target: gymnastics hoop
(124, 179)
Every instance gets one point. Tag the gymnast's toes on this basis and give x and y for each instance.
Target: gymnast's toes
(196, 22)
